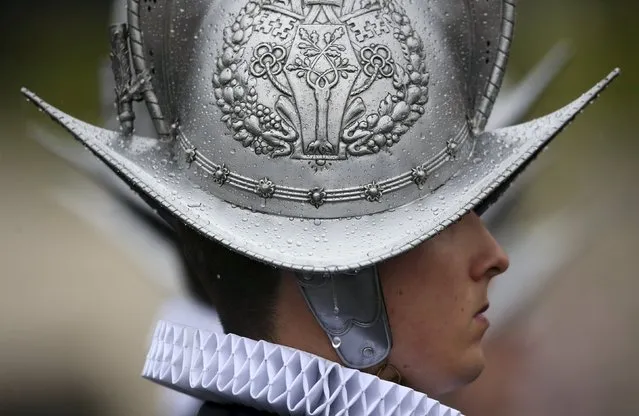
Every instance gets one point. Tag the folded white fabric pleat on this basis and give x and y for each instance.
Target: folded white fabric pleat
(229, 368)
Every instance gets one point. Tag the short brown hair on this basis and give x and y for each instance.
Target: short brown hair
(243, 291)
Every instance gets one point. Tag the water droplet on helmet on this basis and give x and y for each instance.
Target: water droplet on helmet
(336, 342)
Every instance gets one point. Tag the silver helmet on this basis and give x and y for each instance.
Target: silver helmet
(321, 136)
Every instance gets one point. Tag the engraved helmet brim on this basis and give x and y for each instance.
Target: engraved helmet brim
(326, 245)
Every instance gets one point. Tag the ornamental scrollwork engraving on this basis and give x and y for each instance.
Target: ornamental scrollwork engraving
(321, 91)
(322, 65)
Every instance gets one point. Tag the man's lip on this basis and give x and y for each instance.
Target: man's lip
(482, 310)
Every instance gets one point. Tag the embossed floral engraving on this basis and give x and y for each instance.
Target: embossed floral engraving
(378, 61)
(221, 174)
(190, 155)
(340, 79)
(268, 62)
(317, 197)
(419, 176)
(323, 62)
(265, 188)
(253, 124)
(452, 149)
(373, 192)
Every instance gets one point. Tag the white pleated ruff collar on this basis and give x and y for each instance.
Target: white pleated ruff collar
(231, 369)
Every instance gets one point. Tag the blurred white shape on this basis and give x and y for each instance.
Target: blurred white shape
(514, 102)
(536, 257)
(156, 256)
(117, 212)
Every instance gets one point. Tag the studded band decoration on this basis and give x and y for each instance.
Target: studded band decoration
(372, 192)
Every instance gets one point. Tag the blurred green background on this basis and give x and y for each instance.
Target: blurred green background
(75, 311)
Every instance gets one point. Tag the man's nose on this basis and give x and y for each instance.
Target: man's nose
(492, 260)
(501, 260)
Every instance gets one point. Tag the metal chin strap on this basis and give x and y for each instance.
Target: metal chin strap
(350, 308)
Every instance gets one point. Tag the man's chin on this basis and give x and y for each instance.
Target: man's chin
(475, 364)
(474, 374)
(469, 369)
(472, 365)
